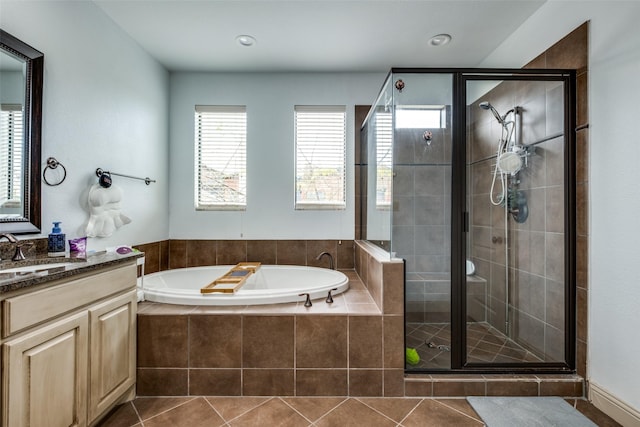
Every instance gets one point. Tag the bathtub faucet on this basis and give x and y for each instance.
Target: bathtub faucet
(319, 257)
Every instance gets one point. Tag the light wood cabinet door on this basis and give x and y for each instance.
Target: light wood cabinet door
(112, 355)
(44, 379)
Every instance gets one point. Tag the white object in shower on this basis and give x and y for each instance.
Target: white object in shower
(104, 210)
(471, 267)
(271, 284)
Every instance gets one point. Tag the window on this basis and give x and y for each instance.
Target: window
(11, 141)
(421, 116)
(384, 160)
(221, 157)
(320, 157)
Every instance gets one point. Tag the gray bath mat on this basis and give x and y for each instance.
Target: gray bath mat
(528, 412)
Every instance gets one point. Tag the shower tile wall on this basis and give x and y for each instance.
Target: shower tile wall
(421, 221)
(422, 199)
(535, 247)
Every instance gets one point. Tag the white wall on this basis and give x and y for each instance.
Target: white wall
(105, 104)
(614, 176)
(270, 99)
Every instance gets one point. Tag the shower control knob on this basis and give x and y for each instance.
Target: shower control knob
(496, 239)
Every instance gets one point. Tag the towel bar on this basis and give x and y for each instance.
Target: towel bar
(147, 180)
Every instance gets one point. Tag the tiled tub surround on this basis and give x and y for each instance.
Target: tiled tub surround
(350, 347)
(340, 349)
(354, 347)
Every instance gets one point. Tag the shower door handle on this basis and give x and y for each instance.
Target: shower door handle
(465, 222)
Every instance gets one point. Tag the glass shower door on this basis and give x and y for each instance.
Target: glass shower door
(515, 283)
(421, 211)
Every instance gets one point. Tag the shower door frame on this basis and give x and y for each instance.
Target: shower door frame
(460, 217)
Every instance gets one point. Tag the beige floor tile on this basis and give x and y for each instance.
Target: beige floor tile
(195, 413)
(395, 408)
(431, 413)
(274, 413)
(353, 413)
(313, 408)
(232, 407)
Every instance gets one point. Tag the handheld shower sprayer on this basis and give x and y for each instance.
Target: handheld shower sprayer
(508, 156)
(485, 105)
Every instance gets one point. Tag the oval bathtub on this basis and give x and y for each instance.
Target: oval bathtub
(271, 284)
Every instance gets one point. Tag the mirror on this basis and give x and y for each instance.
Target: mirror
(21, 77)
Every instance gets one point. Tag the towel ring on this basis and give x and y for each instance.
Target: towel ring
(52, 163)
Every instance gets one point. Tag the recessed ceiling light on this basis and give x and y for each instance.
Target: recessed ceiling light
(440, 40)
(245, 40)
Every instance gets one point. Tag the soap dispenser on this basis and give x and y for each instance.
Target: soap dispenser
(57, 241)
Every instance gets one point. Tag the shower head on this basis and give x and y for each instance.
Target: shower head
(485, 105)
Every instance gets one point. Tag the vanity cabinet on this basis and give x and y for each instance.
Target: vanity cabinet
(68, 349)
(45, 375)
(112, 328)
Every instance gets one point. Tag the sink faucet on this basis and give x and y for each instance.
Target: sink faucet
(10, 237)
(319, 257)
(18, 255)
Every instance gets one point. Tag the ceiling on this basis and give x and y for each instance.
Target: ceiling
(317, 35)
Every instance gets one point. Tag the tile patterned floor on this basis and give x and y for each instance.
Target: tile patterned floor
(306, 412)
(485, 344)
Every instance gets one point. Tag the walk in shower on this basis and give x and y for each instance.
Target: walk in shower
(469, 179)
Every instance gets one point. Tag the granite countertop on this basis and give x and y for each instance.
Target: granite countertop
(76, 265)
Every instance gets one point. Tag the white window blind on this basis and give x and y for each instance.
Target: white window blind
(11, 143)
(221, 157)
(384, 160)
(320, 157)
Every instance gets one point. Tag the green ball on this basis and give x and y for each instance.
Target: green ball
(412, 356)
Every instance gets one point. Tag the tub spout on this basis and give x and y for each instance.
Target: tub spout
(319, 257)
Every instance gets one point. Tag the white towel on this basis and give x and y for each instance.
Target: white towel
(104, 209)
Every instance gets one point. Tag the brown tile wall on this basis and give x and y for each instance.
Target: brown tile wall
(493, 385)
(537, 272)
(169, 254)
(572, 52)
(422, 199)
(266, 355)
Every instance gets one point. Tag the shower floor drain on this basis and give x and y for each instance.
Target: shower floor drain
(440, 347)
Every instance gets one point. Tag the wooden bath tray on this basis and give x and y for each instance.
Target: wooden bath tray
(233, 279)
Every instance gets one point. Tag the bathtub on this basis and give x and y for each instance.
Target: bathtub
(271, 284)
